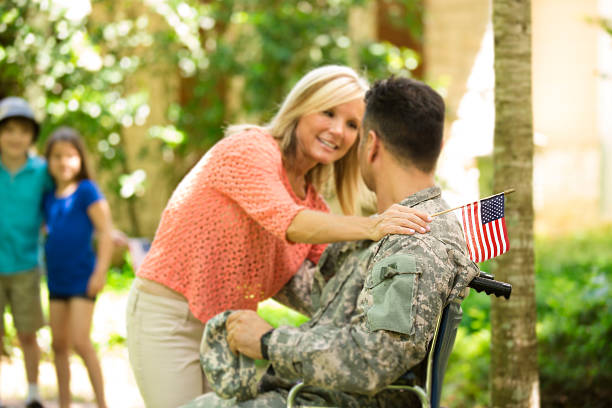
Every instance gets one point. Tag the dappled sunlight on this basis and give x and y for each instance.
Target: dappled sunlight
(72, 10)
(108, 334)
(471, 134)
(152, 85)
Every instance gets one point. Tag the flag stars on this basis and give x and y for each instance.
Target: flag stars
(492, 208)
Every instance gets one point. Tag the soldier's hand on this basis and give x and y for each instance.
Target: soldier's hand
(244, 331)
(399, 219)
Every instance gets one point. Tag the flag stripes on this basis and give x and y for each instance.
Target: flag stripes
(484, 228)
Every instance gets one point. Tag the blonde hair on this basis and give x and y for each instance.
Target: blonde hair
(318, 90)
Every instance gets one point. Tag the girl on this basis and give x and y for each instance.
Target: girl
(75, 274)
(240, 224)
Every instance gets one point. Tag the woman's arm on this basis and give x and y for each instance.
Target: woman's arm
(99, 213)
(317, 227)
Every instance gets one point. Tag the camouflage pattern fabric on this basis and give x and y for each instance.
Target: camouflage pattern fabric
(229, 375)
(375, 308)
(270, 399)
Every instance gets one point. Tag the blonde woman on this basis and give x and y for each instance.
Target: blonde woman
(241, 223)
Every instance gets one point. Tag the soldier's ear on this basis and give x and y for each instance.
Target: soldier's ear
(372, 146)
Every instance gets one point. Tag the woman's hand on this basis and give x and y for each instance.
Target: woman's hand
(244, 331)
(399, 219)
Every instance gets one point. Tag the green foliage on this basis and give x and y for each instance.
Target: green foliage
(266, 45)
(381, 59)
(55, 59)
(237, 59)
(466, 380)
(119, 278)
(575, 324)
(279, 315)
(407, 14)
(73, 70)
(603, 23)
(116, 339)
(574, 302)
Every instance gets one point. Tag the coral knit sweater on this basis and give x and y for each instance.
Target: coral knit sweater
(221, 239)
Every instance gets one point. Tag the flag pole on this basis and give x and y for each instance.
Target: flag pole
(456, 208)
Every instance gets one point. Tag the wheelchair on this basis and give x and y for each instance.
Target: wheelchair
(439, 350)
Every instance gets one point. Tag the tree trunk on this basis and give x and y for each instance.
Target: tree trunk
(514, 358)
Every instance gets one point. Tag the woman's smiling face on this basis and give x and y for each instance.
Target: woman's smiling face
(326, 136)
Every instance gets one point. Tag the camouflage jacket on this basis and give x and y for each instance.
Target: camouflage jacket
(374, 309)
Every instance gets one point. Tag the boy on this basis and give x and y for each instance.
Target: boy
(23, 180)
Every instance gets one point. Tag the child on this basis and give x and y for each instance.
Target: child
(75, 274)
(23, 180)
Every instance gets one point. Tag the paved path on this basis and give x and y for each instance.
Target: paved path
(121, 390)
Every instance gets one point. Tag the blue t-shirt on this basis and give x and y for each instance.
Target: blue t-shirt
(69, 252)
(21, 196)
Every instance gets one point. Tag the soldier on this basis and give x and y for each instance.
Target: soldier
(374, 305)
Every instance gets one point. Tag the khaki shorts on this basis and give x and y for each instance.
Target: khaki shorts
(22, 292)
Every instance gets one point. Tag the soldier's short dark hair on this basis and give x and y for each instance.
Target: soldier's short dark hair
(408, 116)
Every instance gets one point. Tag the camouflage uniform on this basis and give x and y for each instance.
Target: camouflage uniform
(375, 310)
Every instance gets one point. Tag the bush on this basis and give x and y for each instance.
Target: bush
(466, 381)
(574, 305)
(574, 279)
(120, 277)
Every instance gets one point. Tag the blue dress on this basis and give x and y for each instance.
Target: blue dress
(69, 251)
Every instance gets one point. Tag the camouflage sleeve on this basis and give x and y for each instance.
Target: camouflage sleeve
(296, 294)
(376, 347)
(349, 358)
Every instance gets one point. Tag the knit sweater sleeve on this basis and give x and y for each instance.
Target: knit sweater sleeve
(248, 169)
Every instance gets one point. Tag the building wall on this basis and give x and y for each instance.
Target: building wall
(567, 177)
(571, 186)
(453, 32)
(605, 109)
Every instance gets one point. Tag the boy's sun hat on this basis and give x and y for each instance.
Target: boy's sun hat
(16, 107)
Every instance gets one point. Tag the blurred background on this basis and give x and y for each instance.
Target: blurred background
(151, 84)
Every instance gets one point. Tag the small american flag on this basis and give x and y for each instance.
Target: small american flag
(484, 227)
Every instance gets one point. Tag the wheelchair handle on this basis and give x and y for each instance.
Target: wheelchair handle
(485, 282)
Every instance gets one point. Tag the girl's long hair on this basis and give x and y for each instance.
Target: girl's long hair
(70, 135)
(320, 89)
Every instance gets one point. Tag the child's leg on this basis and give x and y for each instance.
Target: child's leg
(3, 301)
(59, 315)
(24, 298)
(31, 355)
(81, 313)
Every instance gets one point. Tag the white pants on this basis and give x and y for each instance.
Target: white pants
(163, 340)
